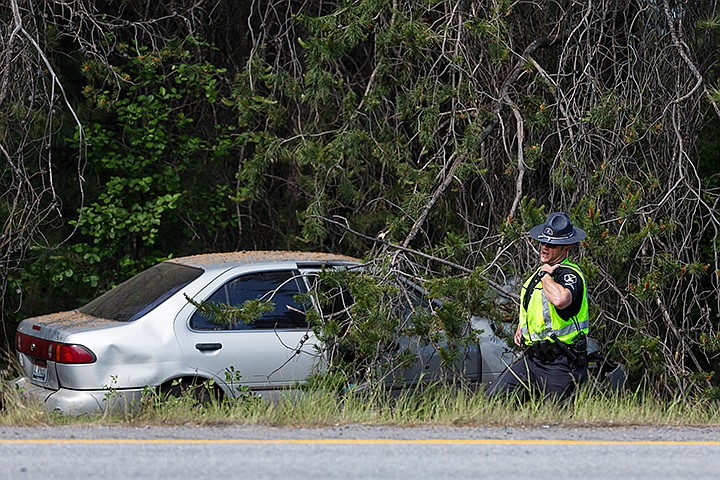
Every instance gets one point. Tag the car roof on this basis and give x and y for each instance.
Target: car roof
(231, 259)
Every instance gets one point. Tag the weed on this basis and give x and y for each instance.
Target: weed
(435, 404)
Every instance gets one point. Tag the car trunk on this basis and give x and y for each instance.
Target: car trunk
(41, 344)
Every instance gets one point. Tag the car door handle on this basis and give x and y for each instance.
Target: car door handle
(208, 347)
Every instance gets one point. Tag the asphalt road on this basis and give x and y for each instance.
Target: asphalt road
(356, 452)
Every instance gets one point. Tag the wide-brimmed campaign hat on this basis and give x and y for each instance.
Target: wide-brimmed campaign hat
(557, 230)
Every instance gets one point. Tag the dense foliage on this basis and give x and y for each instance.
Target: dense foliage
(429, 135)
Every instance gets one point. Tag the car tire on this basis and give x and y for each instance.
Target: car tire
(198, 390)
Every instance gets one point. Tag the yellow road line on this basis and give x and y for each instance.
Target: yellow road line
(375, 441)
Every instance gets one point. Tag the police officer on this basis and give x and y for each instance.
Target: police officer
(553, 321)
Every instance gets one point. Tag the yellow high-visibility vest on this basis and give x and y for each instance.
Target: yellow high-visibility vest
(539, 319)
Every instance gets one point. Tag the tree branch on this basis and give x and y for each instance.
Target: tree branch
(499, 288)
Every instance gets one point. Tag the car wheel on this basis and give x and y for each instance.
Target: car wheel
(199, 391)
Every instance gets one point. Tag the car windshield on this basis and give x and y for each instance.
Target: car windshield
(139, 295)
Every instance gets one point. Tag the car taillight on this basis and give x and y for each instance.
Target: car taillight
(73, 354)
(53, 351)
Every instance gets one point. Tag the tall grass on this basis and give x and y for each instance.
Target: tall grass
(431, 405)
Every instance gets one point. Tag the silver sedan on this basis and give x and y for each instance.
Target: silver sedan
(150, 332)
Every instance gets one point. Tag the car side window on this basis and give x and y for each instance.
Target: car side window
(411, 299)
(334, 300)
(278, 287)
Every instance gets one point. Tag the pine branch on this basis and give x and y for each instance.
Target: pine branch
(498, 288)
(449, 172)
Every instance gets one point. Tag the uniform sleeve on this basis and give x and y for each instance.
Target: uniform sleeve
(569, 279)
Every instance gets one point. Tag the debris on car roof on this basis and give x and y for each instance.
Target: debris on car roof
(250, 257)
(75, 318)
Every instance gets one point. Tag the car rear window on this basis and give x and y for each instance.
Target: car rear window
(142, 293)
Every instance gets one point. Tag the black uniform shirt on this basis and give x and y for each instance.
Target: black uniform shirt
(569, 278)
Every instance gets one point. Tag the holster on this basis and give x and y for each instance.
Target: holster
(547, 351)
(579, 347)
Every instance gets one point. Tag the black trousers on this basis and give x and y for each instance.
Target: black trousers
(557, 378)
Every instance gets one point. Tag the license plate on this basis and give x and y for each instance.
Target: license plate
(39, 372)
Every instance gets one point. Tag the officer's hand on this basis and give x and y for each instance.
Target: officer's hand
(518, 338)
(546, 267)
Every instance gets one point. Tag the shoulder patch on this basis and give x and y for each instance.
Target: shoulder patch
(570, 279)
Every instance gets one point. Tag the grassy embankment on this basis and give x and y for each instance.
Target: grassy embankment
(432, 406)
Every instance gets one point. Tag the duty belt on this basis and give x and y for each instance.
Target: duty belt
(547, 351)
(573, 327)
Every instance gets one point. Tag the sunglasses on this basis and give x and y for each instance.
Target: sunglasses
(549, 245)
